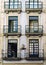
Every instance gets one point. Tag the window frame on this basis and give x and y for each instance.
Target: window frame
(11, 43)
(33, 46)
(13, 18)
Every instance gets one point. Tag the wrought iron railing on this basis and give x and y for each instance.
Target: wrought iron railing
(39, 56)
(27, 56)
(34, 29)
(12, 5)
(33, 5)
(14, 29)
(10, 56)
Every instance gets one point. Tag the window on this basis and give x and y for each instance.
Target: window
(39, 5)
(12, 48)
(33, 17)
(33, 3)
(6, 5)
(33, 23)
(13, 24)
(13, 3)
(33, 47)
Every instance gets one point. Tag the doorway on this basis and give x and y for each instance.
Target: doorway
(12, 49)
(33, 47)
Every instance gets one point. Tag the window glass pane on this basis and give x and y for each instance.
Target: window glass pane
(12, 41)
(36, 26)
(15, 0)
(39, 5)
(13, 18)
(11, 5)
(27, 5)
(33, 46)
(7, 5)
(35, 5)
(13, 24)
(12, 48)
(9, 50)
(15, 5)
(19, 4)
(33, 17)
(35, 0)
(30, 0)
(31, 5)
(11, 0)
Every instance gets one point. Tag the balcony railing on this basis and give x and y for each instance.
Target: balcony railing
(26, 56)
(12, 6)
(7, 30)
(34, 30)
(40, 56)
(34, 6)
(13, 58)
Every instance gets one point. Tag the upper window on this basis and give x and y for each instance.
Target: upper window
(13, 23)
(33, 17)
(33, 3)
(33, 23)
(13, 3)
(33, 20)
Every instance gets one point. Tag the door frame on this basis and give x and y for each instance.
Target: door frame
(33, 46)
(11, 43)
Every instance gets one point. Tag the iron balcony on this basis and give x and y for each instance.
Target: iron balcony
(35, 57)
(34, 6)
(12, 6)
(11, 31)
(34, 30)
(27, 56)
(13, 58)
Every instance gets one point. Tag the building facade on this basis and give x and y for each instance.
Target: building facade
(23, 32)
